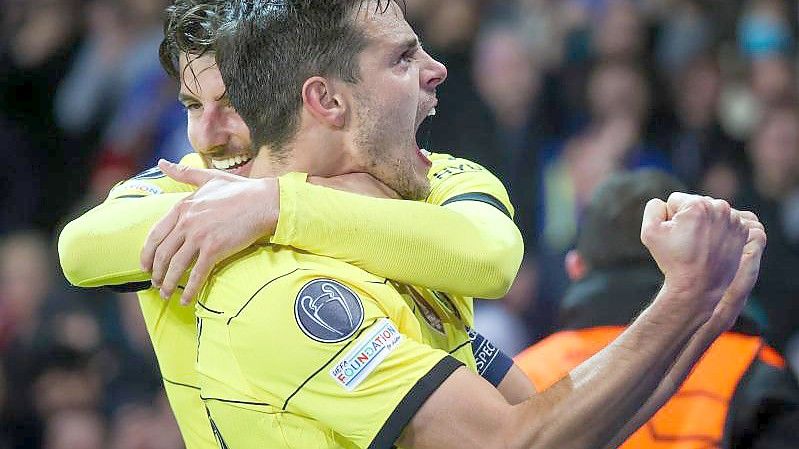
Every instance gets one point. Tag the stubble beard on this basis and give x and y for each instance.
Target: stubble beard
(372, 140)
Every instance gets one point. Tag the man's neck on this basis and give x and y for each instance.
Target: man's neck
(314, 155)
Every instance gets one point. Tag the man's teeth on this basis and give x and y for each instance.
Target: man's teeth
(432, 112)
(425, 152)
(225, 164)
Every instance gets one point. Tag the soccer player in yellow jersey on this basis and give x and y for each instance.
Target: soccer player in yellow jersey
(298, 350)
(413, 243)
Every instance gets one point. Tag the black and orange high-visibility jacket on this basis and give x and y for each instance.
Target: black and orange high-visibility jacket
(736, 392)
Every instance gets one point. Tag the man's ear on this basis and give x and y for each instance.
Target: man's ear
(320, 98)
(576, 266)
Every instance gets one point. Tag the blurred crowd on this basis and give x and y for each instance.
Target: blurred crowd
(554, 96)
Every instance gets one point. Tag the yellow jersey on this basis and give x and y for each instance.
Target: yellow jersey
(100, 249)
(303, 351)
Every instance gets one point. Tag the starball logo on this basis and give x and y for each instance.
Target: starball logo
(356, 366)
(328, 311)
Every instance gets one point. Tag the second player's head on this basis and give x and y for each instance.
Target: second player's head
(187, 54)
(333, 84)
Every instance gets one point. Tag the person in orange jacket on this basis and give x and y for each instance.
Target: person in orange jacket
(740, 394)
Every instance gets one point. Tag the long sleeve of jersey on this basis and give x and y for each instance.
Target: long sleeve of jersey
(469, 247)
(102, 247)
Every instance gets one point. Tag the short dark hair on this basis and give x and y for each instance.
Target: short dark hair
(190, 27)
(610, 232)
(268, 49)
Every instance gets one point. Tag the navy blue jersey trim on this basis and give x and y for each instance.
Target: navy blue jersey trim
(210, 310)
(172, 382)
(412, 402)
(259, 291)
(457, 348)
(131, 287)
(129, 196)
(216, 432)
(481, 197)
(228, 401)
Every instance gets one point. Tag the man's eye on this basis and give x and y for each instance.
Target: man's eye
(191, 106)
(406, 57)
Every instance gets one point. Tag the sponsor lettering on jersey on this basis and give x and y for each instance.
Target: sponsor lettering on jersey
(452, 170)
(371, 350)
(328, 311)
(137, 186)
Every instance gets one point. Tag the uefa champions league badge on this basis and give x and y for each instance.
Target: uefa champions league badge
(327, 311)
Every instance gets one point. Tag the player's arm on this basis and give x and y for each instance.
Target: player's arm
(592, 406)
(470, 246)
(462, 240)
(102, 247)
(723, 319)
(584, 410)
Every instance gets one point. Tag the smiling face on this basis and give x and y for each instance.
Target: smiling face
(396, 92)
(215, 130)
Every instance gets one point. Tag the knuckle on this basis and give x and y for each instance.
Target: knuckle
(698, 207)
(160, 257)
(211, 243)
(678, 196)
(723, 206)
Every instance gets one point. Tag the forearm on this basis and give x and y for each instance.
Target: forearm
(102, 247)
(466, 248)
(591, 405)
(516, 387)
(667, 387)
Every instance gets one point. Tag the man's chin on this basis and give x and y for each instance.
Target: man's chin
(415, 190)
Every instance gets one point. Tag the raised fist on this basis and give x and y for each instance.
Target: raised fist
(698, 243)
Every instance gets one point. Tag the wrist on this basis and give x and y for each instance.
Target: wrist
(691, 300)
(269, 199)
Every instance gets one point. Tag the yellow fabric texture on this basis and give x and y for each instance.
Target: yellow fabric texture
(268, 382)
(466, 248)
(102, 248)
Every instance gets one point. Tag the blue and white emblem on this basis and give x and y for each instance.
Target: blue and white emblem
(327, 311)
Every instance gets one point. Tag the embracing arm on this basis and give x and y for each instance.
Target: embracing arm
(468, 248)
(461, 241)
(704, 292)
(101, 247)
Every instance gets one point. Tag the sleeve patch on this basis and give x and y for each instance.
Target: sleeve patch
(492, 364)
(135, 185)
(327, 311)
(357, 364)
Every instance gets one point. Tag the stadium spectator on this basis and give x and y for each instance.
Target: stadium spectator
(773, 193)
(734, 394)
(36, 48)
(75, 429)
(702, 154)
